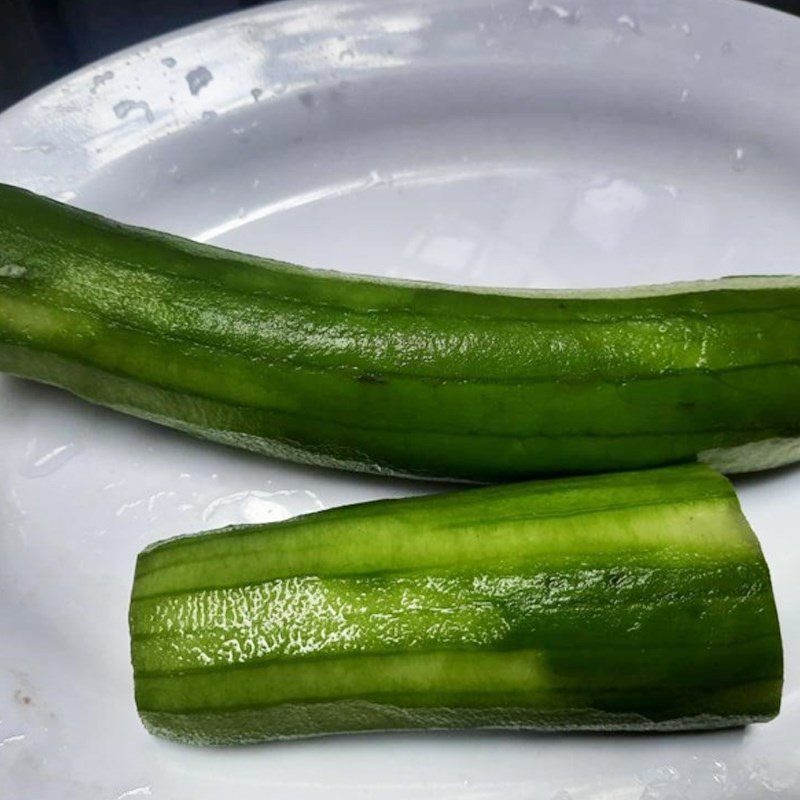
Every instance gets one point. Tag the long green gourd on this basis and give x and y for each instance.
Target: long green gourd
(631, 601)
(392, 377)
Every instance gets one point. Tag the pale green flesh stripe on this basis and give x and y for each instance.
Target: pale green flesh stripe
(537, 679)
(428, 539)
(507, 676)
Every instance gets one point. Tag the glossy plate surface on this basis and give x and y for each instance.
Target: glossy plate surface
(510, 143)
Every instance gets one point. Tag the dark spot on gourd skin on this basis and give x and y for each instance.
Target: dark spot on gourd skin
(615, 578)
(366, 377)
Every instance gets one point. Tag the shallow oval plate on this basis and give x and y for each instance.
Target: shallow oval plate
(605, 143)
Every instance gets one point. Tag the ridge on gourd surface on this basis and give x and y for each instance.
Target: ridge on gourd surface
(631, 601)
(398, 377)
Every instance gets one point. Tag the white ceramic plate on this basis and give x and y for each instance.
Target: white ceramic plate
(506, 142)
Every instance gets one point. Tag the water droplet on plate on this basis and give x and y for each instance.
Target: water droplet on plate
(38, 462)
(376, 179)
(347, 55)
(256, 506)
(124, 107)
(726, 49)
(562, 13)
(629, 22)
(278, 88)
(99, 80)
(685, 28)
(240, 133)
(565, 14)
(169, 62)
(684, 95)
(719, 770)
(209, 115)
(256, 94)
(42, 147)
(739, 160)
(198, 79)
(256, 183)
(139, 791)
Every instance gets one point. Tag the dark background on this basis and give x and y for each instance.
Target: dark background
(43, 39)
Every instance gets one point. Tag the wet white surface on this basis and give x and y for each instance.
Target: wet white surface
(510, 143)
